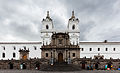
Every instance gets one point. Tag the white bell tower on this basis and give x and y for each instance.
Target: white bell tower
(47, 29)
(73, 29)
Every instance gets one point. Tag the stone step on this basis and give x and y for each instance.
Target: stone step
(61, 67)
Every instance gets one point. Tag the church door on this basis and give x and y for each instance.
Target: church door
(60, 57)
(83, 65)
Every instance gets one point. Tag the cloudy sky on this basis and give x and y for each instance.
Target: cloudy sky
(20, 20)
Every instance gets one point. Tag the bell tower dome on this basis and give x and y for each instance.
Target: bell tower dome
(73, 29)
(47, 29)
(73, 22)
(47, 22)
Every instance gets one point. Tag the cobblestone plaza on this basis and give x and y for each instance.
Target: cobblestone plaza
(37, 71)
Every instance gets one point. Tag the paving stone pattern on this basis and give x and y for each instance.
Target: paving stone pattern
(36, 71)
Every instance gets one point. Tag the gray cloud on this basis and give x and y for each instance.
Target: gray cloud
(20, 20)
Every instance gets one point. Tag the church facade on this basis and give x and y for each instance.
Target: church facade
(60, 49)
(59, 46)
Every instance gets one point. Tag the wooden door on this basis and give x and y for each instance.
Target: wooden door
(60, 57)
(83, 65)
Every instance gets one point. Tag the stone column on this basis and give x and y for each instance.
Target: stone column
(51, 54)
(69, 54)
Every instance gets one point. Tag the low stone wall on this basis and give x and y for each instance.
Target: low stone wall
(28, 64)
(96, 63)
(83, 63)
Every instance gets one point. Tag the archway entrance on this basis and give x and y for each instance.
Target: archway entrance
(109, 65)
(22, 66)
(60, 57)
(37, 66)
(83, 65)
(96, 66)
(10, 65)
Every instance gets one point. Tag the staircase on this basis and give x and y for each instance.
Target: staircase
(61, 67)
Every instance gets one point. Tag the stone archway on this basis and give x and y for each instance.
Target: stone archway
(96, 66)
(109, 65)
(23, 66)
(83, 65)
(37, 65)
(10, 65)
(60, 57)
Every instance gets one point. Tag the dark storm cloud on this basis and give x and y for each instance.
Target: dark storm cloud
(95, 15)
(21, 19)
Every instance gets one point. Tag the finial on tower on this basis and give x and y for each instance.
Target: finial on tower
(73, 14)
(47, 13)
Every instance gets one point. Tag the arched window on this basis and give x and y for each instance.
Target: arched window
(13, 55)
(3, 55)
(47, 27)
(73, 27)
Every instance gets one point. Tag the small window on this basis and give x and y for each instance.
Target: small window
(106, 49)
(82, 49)
(73, 54)
(114, 49)
(98, 49)
(24, 47)
(3, 55)
(90, 49)
(14, 48)
(3, 47)
(47, 27)
(35, 47)
(46, 54)
(13, 55)
(73, 27)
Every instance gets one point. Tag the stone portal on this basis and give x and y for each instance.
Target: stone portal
(60, 49)
(60, 57)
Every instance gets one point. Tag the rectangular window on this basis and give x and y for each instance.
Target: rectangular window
(98, 49)
(106, 49)
(46, 54)
(13, 55)
(114, 49)
(73, 54)
(3, 55)
(90, 49)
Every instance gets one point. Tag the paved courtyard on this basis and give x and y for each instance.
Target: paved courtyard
(36, 71)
